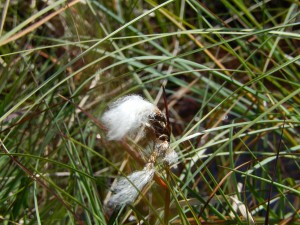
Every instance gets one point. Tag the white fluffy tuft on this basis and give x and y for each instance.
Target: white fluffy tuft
(171, 157)
(127, 189)
(126, 115)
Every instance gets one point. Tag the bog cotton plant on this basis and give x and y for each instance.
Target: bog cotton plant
(134, 117)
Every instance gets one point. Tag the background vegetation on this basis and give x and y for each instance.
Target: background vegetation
(231, 72)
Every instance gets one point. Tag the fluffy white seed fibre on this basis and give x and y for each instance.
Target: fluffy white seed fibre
(126, 116)
(171, 157)
(127, 189)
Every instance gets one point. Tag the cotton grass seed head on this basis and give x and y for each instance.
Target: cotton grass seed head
(127, 189)
(126, 116)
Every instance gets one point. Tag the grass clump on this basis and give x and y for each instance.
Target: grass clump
(231, 74)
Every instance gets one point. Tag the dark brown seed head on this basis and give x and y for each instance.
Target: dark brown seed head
(159, 124)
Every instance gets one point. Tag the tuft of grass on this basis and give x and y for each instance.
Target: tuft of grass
(231, 74)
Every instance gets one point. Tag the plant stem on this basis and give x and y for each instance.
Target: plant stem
(167, 197)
